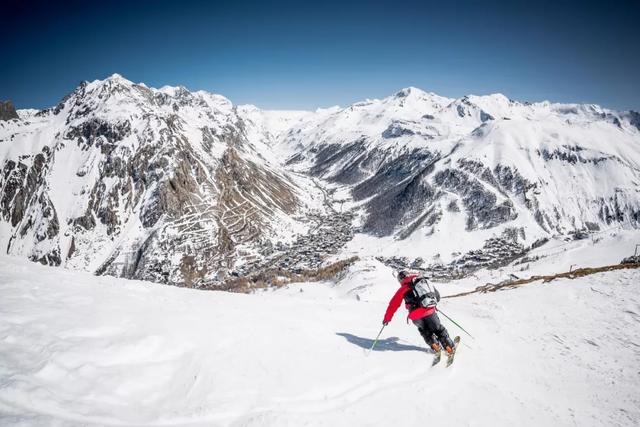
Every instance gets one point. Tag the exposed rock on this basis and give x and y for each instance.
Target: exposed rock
(396, 130)
(483, 210)
(99, 131)
(453, 206)
(634, 259)
(8, 111)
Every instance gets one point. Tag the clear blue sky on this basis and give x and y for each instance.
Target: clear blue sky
(309, 54)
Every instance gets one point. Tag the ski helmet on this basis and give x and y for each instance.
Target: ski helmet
(401, 275)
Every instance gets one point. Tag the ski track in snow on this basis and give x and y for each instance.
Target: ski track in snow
(76, 349)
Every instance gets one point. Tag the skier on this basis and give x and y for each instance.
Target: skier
(420, 299)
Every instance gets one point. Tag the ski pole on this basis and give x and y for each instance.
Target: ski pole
(455, 323)
(376, 340)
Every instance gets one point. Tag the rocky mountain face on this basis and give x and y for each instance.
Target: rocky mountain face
(7, 111)
(163, 185)
(185, 188)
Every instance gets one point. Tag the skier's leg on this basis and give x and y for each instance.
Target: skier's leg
(434, 325)
(427, 334)
(443, 335)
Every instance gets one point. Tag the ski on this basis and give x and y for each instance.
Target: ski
(436, 358)
(451, 356)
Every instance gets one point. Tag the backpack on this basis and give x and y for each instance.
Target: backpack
(425, 294)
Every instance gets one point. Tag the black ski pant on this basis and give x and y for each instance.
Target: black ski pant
(432, 331)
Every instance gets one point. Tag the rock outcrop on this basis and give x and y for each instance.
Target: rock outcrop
(8, 111)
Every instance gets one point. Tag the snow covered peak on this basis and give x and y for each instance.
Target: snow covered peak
(411, 94)
(413, 117)
(113, 81)
(495, 104)
(174, 90)
(413, 91)
(498, 98)
(116, 76)
(116, 98)
(405, 92)
(27, 113)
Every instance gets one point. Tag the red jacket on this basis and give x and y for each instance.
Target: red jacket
(395, 302)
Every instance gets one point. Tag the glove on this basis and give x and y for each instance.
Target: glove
(385, 323)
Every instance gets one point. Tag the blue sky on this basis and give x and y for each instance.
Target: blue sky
(315, 54)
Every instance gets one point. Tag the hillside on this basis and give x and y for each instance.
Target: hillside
(84, 350)
(421, 169)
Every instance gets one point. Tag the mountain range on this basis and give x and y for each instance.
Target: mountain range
(186, 188)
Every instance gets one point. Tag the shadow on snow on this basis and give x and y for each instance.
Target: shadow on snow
(387, 344)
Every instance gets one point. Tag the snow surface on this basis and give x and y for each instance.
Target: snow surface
(76, 349)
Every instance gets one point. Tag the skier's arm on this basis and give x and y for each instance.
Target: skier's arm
(394, 304)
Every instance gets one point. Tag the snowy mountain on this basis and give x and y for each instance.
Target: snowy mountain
(162, 184)
(447, 175)
(185, 188)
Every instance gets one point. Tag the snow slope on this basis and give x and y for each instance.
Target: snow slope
(421, 166)
(77, 349)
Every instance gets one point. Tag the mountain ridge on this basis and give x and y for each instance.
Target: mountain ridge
(117, 173)
(115, 178)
